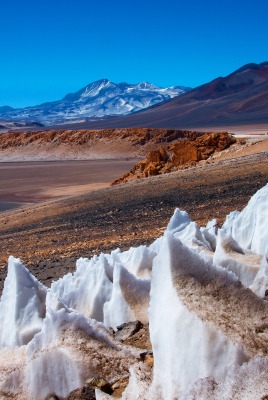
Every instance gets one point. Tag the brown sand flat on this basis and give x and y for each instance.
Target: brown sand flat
(49, 237)
(32, 182)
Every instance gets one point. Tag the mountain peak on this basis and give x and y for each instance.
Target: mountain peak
(99, 99)
(98, 84)
(103, 81)
(145, 85)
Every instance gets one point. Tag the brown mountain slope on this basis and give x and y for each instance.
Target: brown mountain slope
(239, 98)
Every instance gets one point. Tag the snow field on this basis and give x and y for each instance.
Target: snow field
(202, 291)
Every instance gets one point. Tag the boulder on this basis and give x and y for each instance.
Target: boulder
(119, 386)
(87, 392)
(127, 330)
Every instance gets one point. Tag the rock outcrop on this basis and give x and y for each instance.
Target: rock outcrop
(183, 153)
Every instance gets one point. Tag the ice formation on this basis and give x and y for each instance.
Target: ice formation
(243, 263)
(130, 299)
(22, 306)
(174, 327)
(249, 228)
(202, 290)
(87, 290)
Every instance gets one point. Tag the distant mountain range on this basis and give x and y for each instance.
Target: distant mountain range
(98, 100)
(240, 98)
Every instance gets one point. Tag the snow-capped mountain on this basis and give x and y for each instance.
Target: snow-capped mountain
(100, 99)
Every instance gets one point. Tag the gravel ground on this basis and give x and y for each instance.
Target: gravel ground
(49, 237)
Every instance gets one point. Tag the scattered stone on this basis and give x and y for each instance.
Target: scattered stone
(147, 357)
(127, 330)
(87, 392)
(140, 339)
(101, 384)
(52, 397)
(119, 387)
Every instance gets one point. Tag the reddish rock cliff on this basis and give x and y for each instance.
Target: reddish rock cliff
(182, 154)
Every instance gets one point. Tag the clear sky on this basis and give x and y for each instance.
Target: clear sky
(49, 48)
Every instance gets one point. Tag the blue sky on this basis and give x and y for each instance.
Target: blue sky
(50, 48)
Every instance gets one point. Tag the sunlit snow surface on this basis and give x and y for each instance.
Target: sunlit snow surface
(202, 290)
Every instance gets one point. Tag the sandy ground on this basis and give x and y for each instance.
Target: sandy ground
(49, 237)
(32, 182)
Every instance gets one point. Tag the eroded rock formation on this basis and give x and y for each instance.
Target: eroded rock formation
(181, 154)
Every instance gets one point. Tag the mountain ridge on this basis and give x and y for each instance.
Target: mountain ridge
(99, 99)
(240, 98)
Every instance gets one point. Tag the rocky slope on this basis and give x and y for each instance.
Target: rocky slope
(182, 154)
(100, 99)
